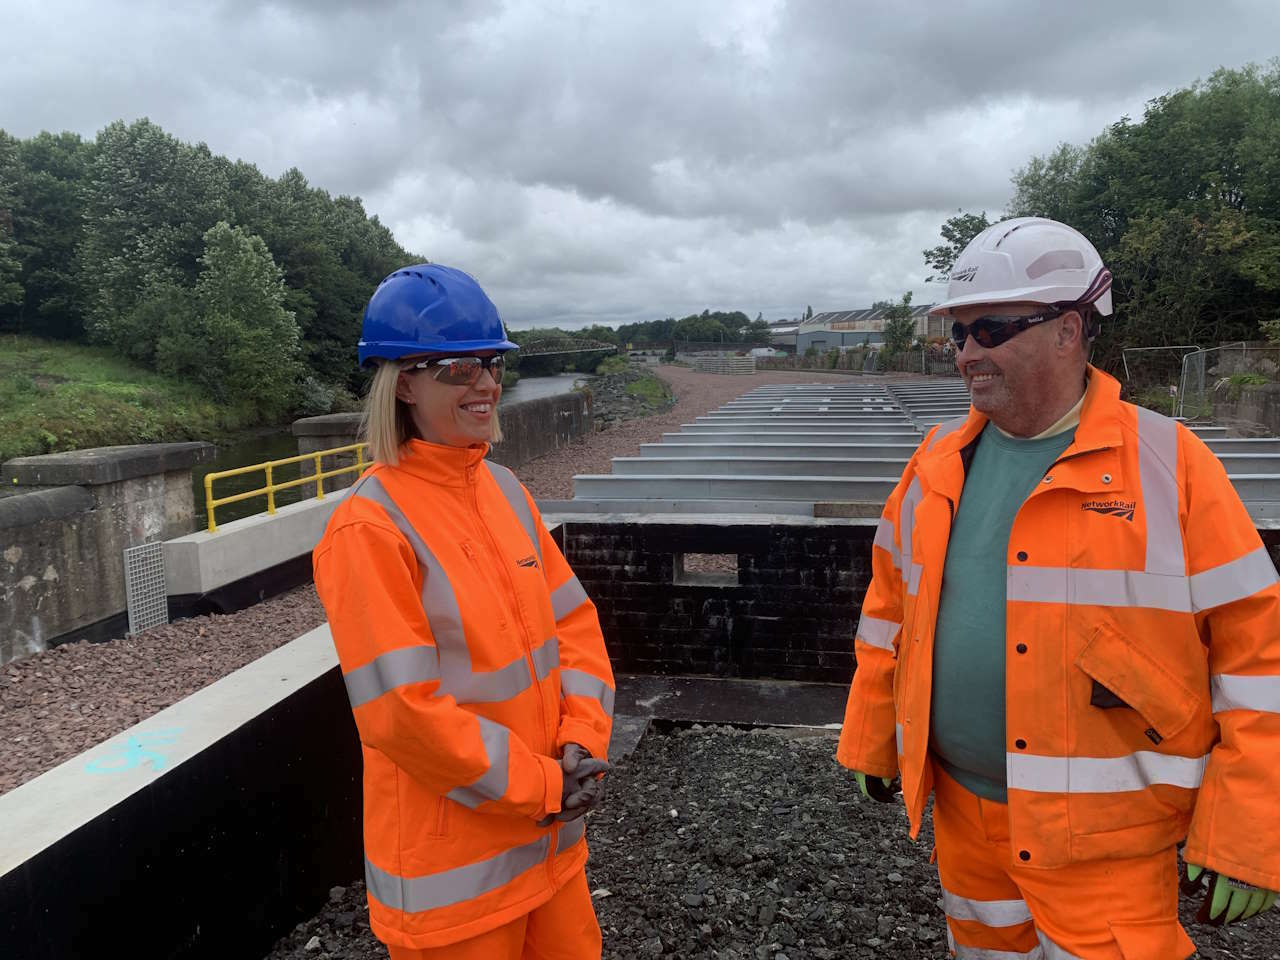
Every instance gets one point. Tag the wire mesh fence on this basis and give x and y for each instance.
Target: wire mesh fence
(1236, 386)
(937, 360)
(1151, 376)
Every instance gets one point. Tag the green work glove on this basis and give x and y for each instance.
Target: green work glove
(877, 788)
(579, 770)
(1227, 900)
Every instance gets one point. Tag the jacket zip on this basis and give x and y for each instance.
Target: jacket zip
(511, 592)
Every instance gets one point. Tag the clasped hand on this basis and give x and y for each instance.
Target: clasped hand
(582, 789)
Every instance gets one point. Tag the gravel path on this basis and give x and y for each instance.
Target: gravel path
(719, 843)
(58, 703)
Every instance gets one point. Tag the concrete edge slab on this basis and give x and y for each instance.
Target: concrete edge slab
(42, 811)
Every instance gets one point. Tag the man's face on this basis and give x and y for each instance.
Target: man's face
(1010, 382)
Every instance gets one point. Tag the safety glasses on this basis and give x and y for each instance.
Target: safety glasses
(463, 371)
(994, 330)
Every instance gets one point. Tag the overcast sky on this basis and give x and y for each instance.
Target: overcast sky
(620, 161)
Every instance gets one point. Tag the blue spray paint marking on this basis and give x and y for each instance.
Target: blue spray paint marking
(134, 752)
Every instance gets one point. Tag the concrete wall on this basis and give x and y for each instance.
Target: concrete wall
(530, 429)
(1255, 413)
(64, 526)
(789, 612)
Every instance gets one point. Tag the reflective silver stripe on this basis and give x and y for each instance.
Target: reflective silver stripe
(396, 668)
(438, 599)
(578, 683)
(946, 427)
(877, 633)
(992, 913)
(492, 784)
(1238, 692)
(884, 540)
(1112, 588)
(1240, 578)
(1158, 474)
(443, 889)
(913, 578)
(570, 833)
(440, 604)
(546, 658)
(514, 494)
(897, 732)
(1137, 771)
(982, 953)
(567, 597)
(1054, 952)
(907, 523)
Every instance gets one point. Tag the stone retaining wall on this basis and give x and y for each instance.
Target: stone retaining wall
(64, 528)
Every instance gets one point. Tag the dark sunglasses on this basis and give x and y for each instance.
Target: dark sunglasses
(994, 330)
(463, 371)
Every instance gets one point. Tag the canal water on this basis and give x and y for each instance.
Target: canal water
(281, 444)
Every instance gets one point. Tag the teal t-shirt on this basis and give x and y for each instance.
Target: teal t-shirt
(967, 724)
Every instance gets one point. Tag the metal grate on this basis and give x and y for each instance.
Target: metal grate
(144, 586)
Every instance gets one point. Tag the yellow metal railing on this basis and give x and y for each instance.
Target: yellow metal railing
(269, 490)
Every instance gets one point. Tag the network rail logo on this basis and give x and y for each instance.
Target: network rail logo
(1112, 508)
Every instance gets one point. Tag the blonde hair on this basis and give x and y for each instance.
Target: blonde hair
(387, 424)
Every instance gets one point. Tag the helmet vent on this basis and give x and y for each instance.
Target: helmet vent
(1055, 260)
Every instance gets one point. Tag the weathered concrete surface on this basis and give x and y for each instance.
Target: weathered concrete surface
(326, 433)
(63, 535)
(100, 465)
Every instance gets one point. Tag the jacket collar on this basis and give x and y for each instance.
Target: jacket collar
(1100, 429)
(441, 464)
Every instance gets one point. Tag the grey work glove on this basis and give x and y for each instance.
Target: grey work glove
(580, 789)
(877, 788)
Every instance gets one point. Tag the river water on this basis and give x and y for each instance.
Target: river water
(280, 444)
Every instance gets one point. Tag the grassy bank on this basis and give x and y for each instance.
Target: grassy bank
(57, 396)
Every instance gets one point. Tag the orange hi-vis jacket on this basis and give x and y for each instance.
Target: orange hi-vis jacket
(1142, 647)
(471, 654)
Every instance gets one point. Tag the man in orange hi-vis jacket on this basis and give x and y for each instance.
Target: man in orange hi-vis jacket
(472, 657)
(1071, 638)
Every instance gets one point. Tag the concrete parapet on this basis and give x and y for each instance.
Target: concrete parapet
(327, 433)
(64, 531)
(100, 465)
(256, 777)
(536, 427)
(199, 563)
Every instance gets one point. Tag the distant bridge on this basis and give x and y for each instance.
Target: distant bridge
(563, 345)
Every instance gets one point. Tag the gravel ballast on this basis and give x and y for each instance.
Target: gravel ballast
(720, 843)
(58, 703)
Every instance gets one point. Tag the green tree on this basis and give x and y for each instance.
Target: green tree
(149, 201)
(1184, 207)
(11, 293)
(49, 226)
(237, 340)
(957, 231)
(899, 328)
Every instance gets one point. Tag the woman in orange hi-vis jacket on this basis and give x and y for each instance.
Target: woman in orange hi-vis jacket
(472, 657)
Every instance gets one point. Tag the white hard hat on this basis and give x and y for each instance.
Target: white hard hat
(1029, 259)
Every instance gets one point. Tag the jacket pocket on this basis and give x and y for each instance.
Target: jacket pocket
(1152, 939)
(1125, 676)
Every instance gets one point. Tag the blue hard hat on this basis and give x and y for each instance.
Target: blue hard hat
(429, 308)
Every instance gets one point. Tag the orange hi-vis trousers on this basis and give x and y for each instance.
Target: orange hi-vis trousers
(563, 928)
(1124, 909)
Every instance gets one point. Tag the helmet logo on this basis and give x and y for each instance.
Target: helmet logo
(964, 276)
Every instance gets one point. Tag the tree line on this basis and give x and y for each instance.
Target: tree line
(197, 266)
(1183, 206)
